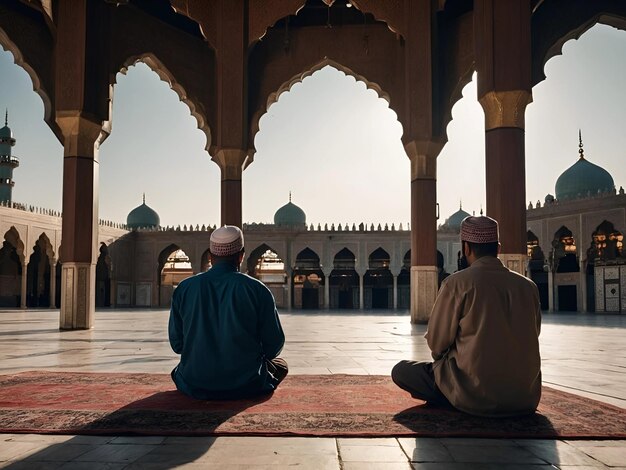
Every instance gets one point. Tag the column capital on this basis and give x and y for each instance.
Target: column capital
(81, 135)
(423, 155)
(231, 161)
(505, 108)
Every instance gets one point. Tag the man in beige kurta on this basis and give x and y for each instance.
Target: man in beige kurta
(483, 333)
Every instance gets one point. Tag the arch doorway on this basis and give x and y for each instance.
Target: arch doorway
(344, 281)
(378, 281)
(174, 266)
(308, 281)
(103, 278)
(265, 265)
(10, 273)
(38, 274)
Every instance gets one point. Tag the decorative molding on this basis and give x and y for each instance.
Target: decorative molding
(505, 108)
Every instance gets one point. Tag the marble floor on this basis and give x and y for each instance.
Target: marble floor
(581, 353)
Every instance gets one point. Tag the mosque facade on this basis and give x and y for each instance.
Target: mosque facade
(575, 254)
(574, 251)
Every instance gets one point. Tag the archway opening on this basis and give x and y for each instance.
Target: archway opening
(344, 281)
(378, 281)
(342, 125)
(174, 267)
(604, 270)
(267, 266)
(10, 271)
(38, 274)
(564, 260)
(308, 281)
(404, 282)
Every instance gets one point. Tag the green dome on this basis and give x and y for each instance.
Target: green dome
(454, 221)
(143, 217)
(581, 179)
(290, 214)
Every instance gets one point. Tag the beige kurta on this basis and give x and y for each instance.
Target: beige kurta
(483, 333)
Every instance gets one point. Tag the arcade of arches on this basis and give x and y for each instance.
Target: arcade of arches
(418, 54)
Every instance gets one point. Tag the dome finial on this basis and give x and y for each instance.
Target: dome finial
(289, 196)
(580, 145)
(144, 198)
(460, 204)
(6, 116)
(481, 210)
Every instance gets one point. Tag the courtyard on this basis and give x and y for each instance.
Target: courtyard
(581, 354)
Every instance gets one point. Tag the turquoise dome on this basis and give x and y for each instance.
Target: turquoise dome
(583, 178)
(290, 215)
(454, 221)
(143, 217)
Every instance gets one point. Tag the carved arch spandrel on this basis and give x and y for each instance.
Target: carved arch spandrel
(554, 22)
(31, 45)
(264, 14)
(168, 77)
(298, 78)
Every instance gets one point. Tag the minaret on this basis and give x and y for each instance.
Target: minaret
(7, 162)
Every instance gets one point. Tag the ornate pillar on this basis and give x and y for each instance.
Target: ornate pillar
(80, 221)
(582, 282)
(395, 272)
(550, 290)
(503, 63)
(327, 288)
(424, 285)
(231, 163)
(24, 284)
(53, 283)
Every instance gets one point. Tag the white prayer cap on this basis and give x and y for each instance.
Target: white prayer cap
(226, 241)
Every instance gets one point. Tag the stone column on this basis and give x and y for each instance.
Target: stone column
(502, 50)
(505, 171)
(424, 286)
(80, 221)
(327, 288)
(231, 163)
(24, 284)
(395, 272)
(550, 290)
(53, 283)
(582, 281)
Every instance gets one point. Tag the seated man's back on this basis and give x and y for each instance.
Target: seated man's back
(226, 328)
(487, 318)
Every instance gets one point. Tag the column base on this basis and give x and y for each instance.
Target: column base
(424, 287)
(78, 297)
(515, 262)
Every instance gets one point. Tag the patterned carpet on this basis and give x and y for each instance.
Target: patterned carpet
(305, 405)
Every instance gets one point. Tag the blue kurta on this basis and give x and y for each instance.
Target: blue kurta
(224, 324)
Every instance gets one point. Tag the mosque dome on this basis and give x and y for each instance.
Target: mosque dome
(583, 178)
(290, 214)
(143, 217)
(454, 221)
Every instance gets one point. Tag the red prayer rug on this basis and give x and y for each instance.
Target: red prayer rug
(303, 405)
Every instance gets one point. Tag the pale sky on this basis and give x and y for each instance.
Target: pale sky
(330, 141)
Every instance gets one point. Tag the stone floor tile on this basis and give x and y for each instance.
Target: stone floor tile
(611, 456)
(559, 453)
(388, 441)
(16, 450)
(493, 454)
(477, 442)
(376, 466)
(74, 465)
(145, 440)
(603, 443)
(480, 466)
(63, 452)
(372, 454)
(425, 450)
(111, 453)
(25, 465)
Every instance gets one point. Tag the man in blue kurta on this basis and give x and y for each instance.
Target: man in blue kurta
(225, 326)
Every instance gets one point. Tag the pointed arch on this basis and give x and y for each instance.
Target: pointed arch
(13, 237)
(288, 84)
(36, 73)
(555, 22)
(157, 66)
